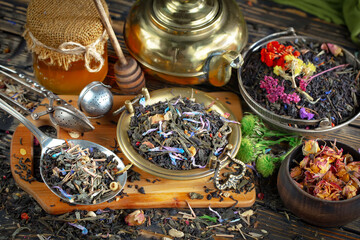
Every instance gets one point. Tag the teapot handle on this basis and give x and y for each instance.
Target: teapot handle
(219, 67)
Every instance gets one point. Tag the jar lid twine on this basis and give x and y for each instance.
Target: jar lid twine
(74, 48)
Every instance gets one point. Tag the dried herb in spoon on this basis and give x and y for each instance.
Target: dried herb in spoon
(80, 175)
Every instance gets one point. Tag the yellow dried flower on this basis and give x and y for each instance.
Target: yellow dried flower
(309, 69)
(289, 58)
(310, 147)
(278, 70)
(297, 66)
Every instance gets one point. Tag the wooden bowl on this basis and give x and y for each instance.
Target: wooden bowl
(311, 209)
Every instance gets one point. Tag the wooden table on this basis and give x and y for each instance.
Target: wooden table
(263, 18)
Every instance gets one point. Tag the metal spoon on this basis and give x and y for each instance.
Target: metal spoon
(48, 142)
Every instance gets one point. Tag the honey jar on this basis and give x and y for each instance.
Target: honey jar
(68, 42)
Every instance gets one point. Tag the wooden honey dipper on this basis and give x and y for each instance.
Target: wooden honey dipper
(128, 74)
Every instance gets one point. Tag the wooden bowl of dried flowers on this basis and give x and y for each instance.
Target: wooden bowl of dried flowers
(319, 183)
(301, 84)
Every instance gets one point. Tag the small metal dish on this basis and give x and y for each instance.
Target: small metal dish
(161, 95)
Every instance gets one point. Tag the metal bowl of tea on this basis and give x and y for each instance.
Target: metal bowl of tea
(325, 194)
(178, 133)
(300, 84)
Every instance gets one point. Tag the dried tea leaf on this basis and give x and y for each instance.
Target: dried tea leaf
(176, 233)
(194, 195)
(247, 213)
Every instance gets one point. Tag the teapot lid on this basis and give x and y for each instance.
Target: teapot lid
(184, 15)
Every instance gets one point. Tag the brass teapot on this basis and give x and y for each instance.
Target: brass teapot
(187, 41)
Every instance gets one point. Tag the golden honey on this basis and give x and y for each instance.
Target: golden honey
(71, 81)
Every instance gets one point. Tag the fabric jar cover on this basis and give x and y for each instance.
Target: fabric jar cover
(62, 32)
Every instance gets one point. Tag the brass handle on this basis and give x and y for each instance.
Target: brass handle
(219, 67)
(255, 46)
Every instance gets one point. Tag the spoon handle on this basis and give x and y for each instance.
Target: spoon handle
(41, 137)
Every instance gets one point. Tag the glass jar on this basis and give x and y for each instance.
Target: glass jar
(71, 81)
(68, 42)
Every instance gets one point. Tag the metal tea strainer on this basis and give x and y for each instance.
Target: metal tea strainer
(61, 113)
(70, 118)
(95, 100)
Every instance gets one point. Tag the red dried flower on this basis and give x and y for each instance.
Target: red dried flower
(24, 216)
(296, 53)
(274, 53)
(327, 190)
(260, 196)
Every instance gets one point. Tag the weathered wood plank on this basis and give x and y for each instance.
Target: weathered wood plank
(280, 227)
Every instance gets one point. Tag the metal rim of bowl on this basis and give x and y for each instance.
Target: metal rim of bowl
(160, 95)
(277, 120)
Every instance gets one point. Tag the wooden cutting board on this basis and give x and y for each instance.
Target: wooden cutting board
(159, 192)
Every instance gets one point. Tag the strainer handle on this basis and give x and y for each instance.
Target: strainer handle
(21, 82)
(41, 137)
(29, 83)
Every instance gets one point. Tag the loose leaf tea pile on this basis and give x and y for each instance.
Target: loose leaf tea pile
(178, 134)
(327, 173)
(19, 94)
(80, 175)
(303, 80)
